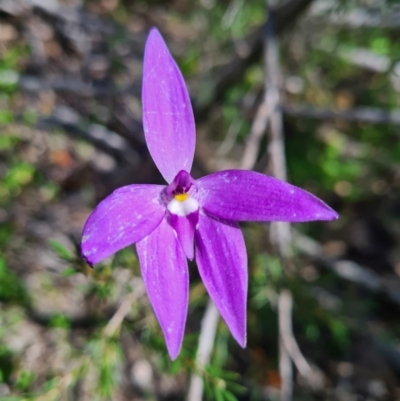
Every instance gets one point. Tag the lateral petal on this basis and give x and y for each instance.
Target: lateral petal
(222, 261)
(126, 216)
(165, 274)
(242, 195)
(168, 120)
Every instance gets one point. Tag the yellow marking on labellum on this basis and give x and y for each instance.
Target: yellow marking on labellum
(181, 197)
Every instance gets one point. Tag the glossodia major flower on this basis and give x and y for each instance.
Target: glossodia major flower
(189, 218)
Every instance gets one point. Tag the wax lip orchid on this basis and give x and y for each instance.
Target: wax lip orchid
(189, 218)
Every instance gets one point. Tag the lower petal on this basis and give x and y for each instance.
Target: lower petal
(222, 261)
(165, 274)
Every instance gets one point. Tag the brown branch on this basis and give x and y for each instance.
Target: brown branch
(77, 86)
(362, 114)
(388, 18)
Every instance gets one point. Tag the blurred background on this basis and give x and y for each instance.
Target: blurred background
(70, 133)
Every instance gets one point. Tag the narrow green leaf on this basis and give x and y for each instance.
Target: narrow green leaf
(61, 250)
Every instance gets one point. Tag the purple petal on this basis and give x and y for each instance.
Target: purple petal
(185, 227)
(241, 195)
(222, 261)
(126, 216)
(168, 119)
(165, 274)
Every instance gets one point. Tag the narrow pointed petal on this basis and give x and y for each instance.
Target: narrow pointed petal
(222, 261)
(185, 227)
(242, 195)
(126, 216)
(165, 274)
(168, 119)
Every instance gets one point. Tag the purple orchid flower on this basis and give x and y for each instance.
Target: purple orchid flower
(189, 218)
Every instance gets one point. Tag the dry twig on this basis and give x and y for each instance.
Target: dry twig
(280, 231)
(257, 131)
(115, 322)
(360, 114)
(206, 342)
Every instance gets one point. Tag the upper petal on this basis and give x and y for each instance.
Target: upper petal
(222, 261)
(246, 195)
(124, 217)
(168, 119)
(165, 274)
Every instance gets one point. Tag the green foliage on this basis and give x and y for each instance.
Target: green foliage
(60, 321)
(221, 385)
(24, 380)
(61, 250)
(7, 141)
(126, 258)
(266, 276)
(312, 332)
(6, 117)
(12, 57)
(16, 177)
(9, 74)
(69, 271)
(381, 45)
(340, 332)
(8, 80)
(11, 288)
(105, 359)
(6, 363)
(103, 281)
(30, 117)
(5, 234)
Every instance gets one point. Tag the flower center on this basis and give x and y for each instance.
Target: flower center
(182, 207)
(181, 197)
(178, 200)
